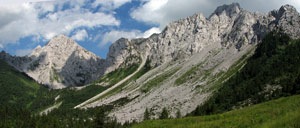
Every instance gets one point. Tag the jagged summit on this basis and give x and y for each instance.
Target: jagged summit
(288, 19)
(287, 8)
(285, 11)
(61, 41)
(230, 9)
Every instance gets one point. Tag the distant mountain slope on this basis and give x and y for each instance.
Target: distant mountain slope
(280, 113)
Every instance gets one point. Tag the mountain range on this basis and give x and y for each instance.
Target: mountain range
(178, 69)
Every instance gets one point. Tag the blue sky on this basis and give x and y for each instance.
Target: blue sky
(96, 24)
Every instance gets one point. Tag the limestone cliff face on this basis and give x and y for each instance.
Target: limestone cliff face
(119, 52)
(229, 25)
(204, 48)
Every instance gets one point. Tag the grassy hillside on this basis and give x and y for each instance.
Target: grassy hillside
(16, 88)
(280, 113)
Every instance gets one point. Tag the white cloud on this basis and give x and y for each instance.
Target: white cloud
(151, 31)
(16, 2)
(23, 52)
(162, 12)
(110, 4)
(80, 35)
(1, 46)
(68, 20)
(22, 20)
(114, 35)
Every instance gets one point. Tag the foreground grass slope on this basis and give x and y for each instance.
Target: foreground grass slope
(281, 113)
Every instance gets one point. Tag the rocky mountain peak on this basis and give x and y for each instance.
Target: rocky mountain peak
(3, 52)
(60, 63)
(285, 12)
(118, 53)
(288, 19)
(61, 41)
(288, 9)
(230, 9)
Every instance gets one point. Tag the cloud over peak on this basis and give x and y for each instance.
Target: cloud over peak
(80, 35)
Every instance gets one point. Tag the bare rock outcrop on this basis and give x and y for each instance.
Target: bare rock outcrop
(207, 47)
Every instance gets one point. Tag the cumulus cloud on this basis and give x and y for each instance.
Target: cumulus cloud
(68, 20)
(114, 35)
(30, 19)
(15, 2)
(23, 52)
(80, 35)
(151, 31)
(110, 4)
(162, 12)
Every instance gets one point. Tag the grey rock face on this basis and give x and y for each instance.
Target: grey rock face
(215, 43)
(229, 25)
(118, 53)
(288, 19)
(230, 10)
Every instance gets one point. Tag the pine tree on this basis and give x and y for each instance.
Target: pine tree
(164, 114)
(178, 114)
(100, 119)
(147, 114)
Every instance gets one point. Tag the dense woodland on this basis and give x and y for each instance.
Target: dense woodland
(275, 64)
